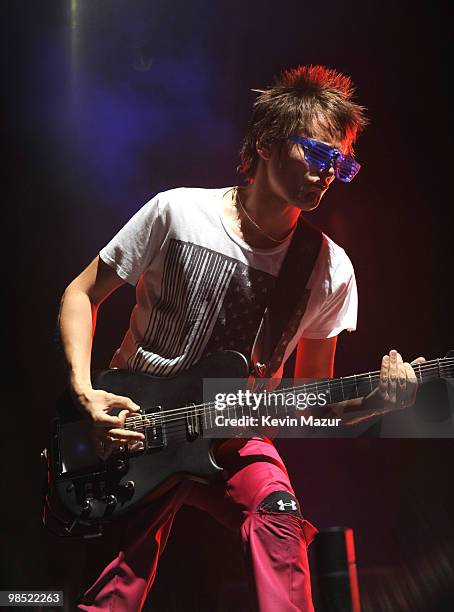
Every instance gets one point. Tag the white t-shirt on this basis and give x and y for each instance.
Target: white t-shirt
(200, 288)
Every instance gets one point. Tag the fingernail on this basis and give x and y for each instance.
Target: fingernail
(393, 353)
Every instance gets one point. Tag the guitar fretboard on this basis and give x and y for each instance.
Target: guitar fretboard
(334, 390)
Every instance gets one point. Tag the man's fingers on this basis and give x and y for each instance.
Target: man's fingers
(412, 385)
(394, 361)
(126, 434)
(122, 416)
(384, 377)
(105, 444)
(393, 378)
(101, 419)
(120, 401)
(398, 382)
(401, 387)
(135, 446)
(418, 360)
(401, 377)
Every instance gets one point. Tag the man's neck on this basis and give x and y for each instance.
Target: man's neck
(257, 220)
(274, 215)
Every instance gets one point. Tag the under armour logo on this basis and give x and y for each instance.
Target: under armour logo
(283, 505)
(280, 501)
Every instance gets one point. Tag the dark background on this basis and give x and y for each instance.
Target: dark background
(109, 102)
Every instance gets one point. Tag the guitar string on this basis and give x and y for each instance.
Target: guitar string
(207, 414)
(199, 410)
(344, 384)
(177, 428)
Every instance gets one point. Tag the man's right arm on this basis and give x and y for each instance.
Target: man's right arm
(77, 323)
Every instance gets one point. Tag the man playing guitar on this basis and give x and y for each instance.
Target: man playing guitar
(204, 262)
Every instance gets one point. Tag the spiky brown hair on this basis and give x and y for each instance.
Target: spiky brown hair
(305, 97)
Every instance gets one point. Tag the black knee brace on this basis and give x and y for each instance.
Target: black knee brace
(282, 502)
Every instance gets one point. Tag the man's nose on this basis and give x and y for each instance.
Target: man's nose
(329, 170)
(326, 172)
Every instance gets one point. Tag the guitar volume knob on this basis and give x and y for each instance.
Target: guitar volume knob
(127, 490)
(120, 465)
(86, 507)
(129, 485)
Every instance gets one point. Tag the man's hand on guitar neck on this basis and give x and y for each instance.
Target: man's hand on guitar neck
(108, 430)
(396, 390)
(398, 384)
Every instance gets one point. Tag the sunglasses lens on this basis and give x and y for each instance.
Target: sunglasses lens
(346, 168)
(320, 155)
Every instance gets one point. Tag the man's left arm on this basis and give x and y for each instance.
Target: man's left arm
(315, 358)
(396, 390)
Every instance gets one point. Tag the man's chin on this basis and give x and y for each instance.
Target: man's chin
(309, 201)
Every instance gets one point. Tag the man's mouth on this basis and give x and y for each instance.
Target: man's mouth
(312, 189)
(318, 187)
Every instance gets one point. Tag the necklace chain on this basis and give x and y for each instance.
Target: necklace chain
(238, 199)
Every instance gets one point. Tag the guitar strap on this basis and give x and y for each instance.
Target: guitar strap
(288, 300)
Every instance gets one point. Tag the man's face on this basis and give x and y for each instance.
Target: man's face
(292, 178)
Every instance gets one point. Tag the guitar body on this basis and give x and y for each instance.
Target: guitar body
(82, 489)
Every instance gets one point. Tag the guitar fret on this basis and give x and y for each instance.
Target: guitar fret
(419, 371)
(328, 388)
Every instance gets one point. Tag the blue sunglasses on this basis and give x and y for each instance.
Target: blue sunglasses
(323, 157)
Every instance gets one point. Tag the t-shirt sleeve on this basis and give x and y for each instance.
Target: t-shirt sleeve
(130, 250)
(339, 309)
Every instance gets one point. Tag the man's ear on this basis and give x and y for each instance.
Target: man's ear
(263, 147)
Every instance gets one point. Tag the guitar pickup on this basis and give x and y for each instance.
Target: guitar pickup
(193, 423)
(153, 429)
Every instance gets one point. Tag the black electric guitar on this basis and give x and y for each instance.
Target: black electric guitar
(83, 491)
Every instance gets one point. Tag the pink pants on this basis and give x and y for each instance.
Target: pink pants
(255, 499)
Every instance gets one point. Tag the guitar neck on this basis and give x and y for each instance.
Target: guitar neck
(358, 385)
(315, 394)
(322, 393)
